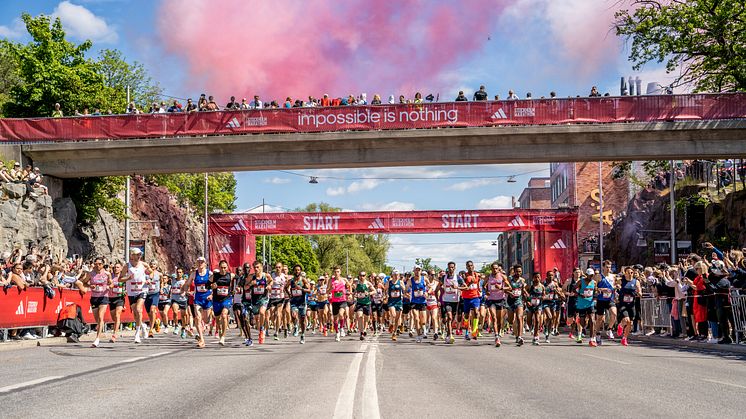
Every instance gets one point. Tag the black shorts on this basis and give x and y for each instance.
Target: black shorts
(274, 302)
(115, 302)
(179, 304)
(237, 307)
(580, 312)
(626, 310)
(571, 307)
(163, 304)
(337, 306)
(133, 299)
(365, 308)
(497, 304)
(418, 307)
(377, 308)
(451, 307)
(97, 302)
(406, 307)
(602, 306)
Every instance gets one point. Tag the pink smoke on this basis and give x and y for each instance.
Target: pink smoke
(300, 48)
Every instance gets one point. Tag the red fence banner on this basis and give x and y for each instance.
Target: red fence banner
(381, 117)
(232, 236)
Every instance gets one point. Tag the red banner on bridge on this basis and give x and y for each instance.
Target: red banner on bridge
(383, 117)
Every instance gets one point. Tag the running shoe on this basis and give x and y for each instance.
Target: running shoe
(593, 343)
(598, 340)
(579, 340)
(325, 333)
(419, 339)
(610, 334)
(246, 342)
(435, 336)
(336, 336)
(249, 342)
(285, 333)
(150, 334)
(177, 329)
(619, 330)
(137, 339)
(342, 331)
(393, 337)
(275, 337)
(261, 337)
(222, 341)
(624, 341)
(535, 341)
(452, 340)
(95, 344)
(571, 336)
(546, 338)
(411, 334)
(497, 342)
(520, 341)
(362, 337)
(157, 326)
(295, 332)
(302, 339)
(113, 339)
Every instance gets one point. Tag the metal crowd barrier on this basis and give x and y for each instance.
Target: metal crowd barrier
(738, 304)
(655, 313)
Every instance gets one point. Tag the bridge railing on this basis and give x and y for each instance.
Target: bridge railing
(381, 117)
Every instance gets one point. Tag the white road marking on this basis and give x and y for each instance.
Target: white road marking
(159, 354)
(608, 359)
(724, 383)
(29, 383)
(128, 360)
(346, 400)
(370, 390)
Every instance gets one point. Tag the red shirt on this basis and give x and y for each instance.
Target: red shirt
(472, 283)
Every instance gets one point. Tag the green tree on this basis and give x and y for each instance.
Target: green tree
(426, 264)
(290, 250)
(89, 194)
(9, 77)
(704, 39)
(190, 188)
(118, 74)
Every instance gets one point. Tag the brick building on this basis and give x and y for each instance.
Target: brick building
(577, 185)
(518, 247)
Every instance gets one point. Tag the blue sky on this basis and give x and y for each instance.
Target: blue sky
(532, 45)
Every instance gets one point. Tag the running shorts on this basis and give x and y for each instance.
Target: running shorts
(336, 306)
(151, 300)
(218, 306)
(497, 304)
(418, 307)
(471, 304)
(602, 306)
(115, 302)
(365, 308)
(97, 302)
(626, 310)
(133, 299)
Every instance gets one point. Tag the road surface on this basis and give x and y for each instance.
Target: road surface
(166, 377)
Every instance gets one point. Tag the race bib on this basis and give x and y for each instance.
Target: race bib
(297, 292)
(606, 293)
(163, 297)
(98, 288)
(432, 302)
(201, 288)
(473, 286)
(395, 294)
(629, 298)
(116, 289)
(535, 301)
(551, 296)
(222, 291)
(259, 290)
(322, 290)
(516, 293)
(419, 293)
(361, 295)
(493, 287)
(275, 293)
(176, 291)
(338, 294)
(588, 292)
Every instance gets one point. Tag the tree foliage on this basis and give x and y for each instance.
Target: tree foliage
(426, 264)
(704, 39)
(89, 194)
(290, 250)
(118, 74)
(189, 188)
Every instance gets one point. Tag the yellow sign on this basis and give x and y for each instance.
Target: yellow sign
(607, 215)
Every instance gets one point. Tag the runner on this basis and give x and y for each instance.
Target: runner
(551, 305)
(629, 291)
(377, 307)
(364, 289)
(417, 289)
(298, 287)
(605, 301)
(277, 300)
(164, 302)
(202, 297)
(497, 286)
(242, 301)
(99, 280)
(116, 299)
(222, 299)
(312, 308)
(179, 303)
(515, 303)
(136, 291)
(471, 295)
(433, 306)
(339, 290)
(536, 293)
(571, 298)
(586, 291)
(153, 286)
(322, 304)
(259, 286)
(394, 291)
(450, 295)
(406, 307)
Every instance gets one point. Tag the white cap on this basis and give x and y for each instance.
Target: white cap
(395, 272)
(135, 251)
(201, 259)
(590, 271)
(382, 275)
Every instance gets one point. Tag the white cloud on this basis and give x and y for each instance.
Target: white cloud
(14, 31)
(498, 202)
(277, 180)
(267, 208)
(357, 186)
(389, 206)
(81, 23)
(442, 248)
(335, 191)
(471, 184)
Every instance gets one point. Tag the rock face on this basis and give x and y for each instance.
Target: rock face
(26, 218)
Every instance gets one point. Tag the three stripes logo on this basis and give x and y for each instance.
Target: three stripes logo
(233, 123)
(226, 249)
(559, 244)
(376, 224)
(500, 114)
(517, 222)
(240, 226)
(19, 310)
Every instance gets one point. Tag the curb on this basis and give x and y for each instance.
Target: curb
(679, 343)
(53, 341)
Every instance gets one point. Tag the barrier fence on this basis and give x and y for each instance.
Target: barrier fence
(381, 117)
(738, 305)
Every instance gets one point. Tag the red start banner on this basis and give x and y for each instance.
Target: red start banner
(232, 236)
(381, 117)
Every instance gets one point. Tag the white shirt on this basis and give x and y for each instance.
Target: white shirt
(136, 283)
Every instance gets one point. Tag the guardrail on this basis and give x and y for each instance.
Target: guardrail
(380, 117)
(738, 305)
(655, 313)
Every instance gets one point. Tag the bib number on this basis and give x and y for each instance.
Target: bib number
(473, 286)
(516, 293)
(535, 301)
(222, 291)
(395, 294)
(338, 294)
(201, 288)
(258, 290)
(629, 298)
(361, 295)
(418, 293)
(297, 292)
(176, 291)
(606, 293)
(588, 293)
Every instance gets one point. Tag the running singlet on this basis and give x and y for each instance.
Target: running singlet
(223, 285)
(176, 294)
(296, 290)
(165, 293)
(495, 287)
(551, 290)
(201, 284)
(472, 285)
(136, 282)
(153, 282)
(259, 290)
(628, 291)
(321, 293)
(450, 289)
(361, 293)
(99, 285)
(395, 291)
(605, 289)
(517, 292)
(378, 296)
(536, 294)
(418, 291)
(585, 297)
(432, 300)
(278, 287)
(338, 292)
(117, 288)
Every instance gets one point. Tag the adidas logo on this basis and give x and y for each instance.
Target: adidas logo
(517, 222)
(559, 244)
(226, 249)
(500, 114)
(376, 224)
(233, 123)
(248, 250)
(19, 310)
(239, 226)
(59, 308)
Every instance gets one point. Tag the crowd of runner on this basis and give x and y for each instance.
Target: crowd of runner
(591, 305)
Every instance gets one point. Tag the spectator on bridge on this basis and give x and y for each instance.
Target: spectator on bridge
(552, 95)
(190, 107)
(480, 94)
(132, 109)
(212, 105)
(497, 97)
(256, 103)
(362, 99)
(461, 97)
(594, 92)
(512, 95)
(202, 103)
(57, 112)
(175, 107)
(232, 105)
(325, 101)
(312, 102)
(529, 96)
(244, 104)
(288, 103)
(391, 100)
(376, 99)
(402, 100)
(418, 98)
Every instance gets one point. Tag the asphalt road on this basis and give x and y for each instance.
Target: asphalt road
(166, 377)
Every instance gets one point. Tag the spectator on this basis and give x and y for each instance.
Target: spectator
(132, 109)
(391, 100)
(418, 98)
(512, 96)
(461, 97)
(57, 112)
(154, 108)
(244, 104)
(212, 105)
(376, 100)
(256, 103)
(4, 175)
(191, 107)
(37, 178)
(96, 112)
(312, 102)
(402, 100)
(175, 107)
(288, 103)
(480, 94)
(202, 103)
(232, 105)
(16, 174)
(497, 97)
(594, 92)
(552, 95)
(362, 99)
(529, 96)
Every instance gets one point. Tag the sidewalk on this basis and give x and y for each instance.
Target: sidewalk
(681, 343)
(54, 341)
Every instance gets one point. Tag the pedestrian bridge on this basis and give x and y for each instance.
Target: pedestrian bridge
(550, 130)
